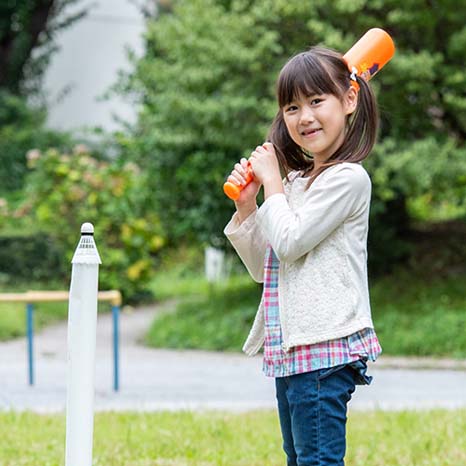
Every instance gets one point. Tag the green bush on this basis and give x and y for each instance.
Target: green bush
(419, 182)
(26, 258)
(63, 191)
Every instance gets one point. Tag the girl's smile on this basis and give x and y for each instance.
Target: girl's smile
(310, 133)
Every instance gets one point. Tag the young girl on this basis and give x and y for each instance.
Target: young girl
(307, 244)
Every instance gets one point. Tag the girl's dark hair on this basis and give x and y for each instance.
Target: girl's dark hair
(323, 71)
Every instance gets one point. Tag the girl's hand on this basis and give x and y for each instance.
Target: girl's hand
(238, 176)
(264, 163)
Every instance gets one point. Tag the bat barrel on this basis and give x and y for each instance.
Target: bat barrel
(370, 53)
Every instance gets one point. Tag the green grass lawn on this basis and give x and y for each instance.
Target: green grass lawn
(216, 318)
(412, 316)
(426, 438)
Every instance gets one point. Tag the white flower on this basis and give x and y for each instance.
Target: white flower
(33, 154)
(132, 167)
(80, 149)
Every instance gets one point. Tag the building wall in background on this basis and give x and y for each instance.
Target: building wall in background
(92, 51)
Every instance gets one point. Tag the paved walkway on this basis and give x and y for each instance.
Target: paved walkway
(156, 379)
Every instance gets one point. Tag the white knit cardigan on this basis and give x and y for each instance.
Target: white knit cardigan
(320, 238)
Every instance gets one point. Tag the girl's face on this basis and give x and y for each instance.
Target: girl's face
(317, 123)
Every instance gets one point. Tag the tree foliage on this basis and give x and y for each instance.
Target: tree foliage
(27, 32)
(206, 89)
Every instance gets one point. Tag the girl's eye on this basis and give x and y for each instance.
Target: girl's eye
(290, 108)
(316, 101)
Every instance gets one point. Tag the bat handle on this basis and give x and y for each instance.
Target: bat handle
(233, 190)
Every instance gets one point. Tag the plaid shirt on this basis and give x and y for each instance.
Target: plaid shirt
(360, 345)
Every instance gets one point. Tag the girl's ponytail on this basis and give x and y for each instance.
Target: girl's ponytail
(362, 127)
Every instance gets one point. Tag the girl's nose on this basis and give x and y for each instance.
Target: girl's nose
(307, 116)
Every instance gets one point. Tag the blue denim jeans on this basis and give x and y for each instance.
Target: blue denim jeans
(312, 409)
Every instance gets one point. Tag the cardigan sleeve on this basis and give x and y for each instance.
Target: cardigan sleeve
(339, 194)
(249, 242)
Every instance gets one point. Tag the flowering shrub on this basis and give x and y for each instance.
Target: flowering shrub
(65, 190)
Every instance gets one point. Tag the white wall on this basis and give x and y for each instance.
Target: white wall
(92, 51)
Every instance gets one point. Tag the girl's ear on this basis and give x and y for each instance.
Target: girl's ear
(350, 100)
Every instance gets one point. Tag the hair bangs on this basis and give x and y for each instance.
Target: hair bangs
(304, 75)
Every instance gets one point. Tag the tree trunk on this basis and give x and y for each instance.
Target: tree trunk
(16, 45)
